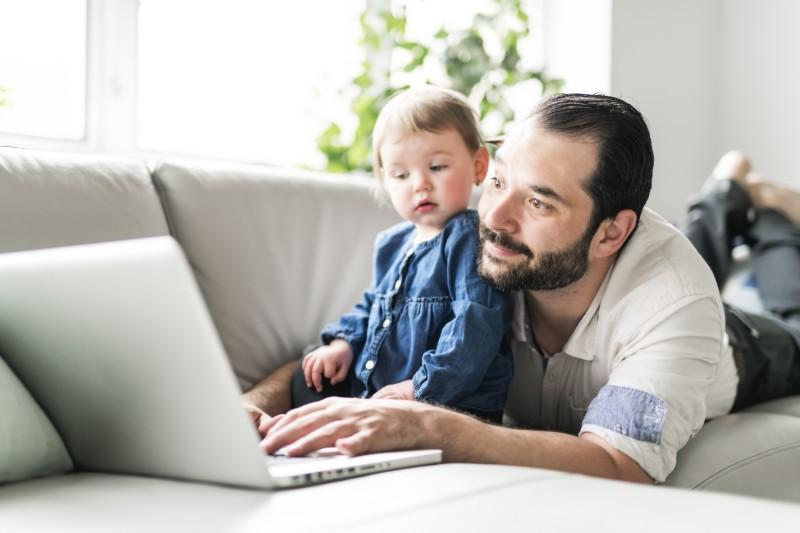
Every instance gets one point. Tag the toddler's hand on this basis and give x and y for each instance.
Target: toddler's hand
(399, 391)
(332, 361)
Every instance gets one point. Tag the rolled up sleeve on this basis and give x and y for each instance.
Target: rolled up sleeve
(655, 399)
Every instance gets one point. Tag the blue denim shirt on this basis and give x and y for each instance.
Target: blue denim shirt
(431, 318)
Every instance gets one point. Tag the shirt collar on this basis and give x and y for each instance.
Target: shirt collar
(581, 344)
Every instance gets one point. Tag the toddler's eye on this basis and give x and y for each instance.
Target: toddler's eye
(495, 182)
(400, 176)
(438, 168)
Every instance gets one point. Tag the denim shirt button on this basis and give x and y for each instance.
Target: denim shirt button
(387, 322)
(369, 365)
(398, 283)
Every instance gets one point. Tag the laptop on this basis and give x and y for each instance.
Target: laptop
(116, 344)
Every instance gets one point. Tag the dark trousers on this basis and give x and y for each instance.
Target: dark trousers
(766, 346)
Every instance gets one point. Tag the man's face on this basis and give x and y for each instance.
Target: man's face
(535, 212)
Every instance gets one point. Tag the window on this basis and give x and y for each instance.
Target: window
(43, 68)
(242, 79)
(246, 80)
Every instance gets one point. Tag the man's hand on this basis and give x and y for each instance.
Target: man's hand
(399, 391)
(354, 426)
(332, 361)
(261, 419)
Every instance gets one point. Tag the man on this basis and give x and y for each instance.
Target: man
(619, 335)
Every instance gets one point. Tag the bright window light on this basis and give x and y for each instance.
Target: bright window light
(43, 68)
(243, 79)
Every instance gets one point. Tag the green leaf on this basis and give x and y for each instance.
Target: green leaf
(461, 54)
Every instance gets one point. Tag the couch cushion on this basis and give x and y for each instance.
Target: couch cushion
(29, 445)
(750, 453)
(50, 199)
(789, 406)
(277, 254)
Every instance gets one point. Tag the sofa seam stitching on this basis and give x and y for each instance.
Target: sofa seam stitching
(746, 461)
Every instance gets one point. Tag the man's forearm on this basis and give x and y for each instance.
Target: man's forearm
(273, 393)
(466, 439)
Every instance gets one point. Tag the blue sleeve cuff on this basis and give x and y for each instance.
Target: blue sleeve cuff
(330, 334)
(629, 412)
(419, 380)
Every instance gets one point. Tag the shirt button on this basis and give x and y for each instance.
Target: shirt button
(552, 376)
(387, 322)
(397, 284)
(369, 365)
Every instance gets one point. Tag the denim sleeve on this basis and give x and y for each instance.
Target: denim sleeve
(353, 325)
(471, 342)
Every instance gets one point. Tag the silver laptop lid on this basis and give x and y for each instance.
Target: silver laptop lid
(116, 344)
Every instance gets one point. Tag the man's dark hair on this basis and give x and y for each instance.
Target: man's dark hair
(624, 172)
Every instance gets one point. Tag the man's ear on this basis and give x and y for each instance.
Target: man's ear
(481, 161)
(614, 232)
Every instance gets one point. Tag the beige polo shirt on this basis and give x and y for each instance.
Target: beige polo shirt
(647, 364)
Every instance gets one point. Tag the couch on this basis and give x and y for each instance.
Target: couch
(276, 254)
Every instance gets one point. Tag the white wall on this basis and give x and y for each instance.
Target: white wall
(663, 60)
(660, 56)
(709, 75)
(759, 96)
(577, 43)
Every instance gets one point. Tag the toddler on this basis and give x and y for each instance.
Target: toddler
(429, 328)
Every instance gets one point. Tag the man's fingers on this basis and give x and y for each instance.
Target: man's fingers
(380, 394)
(296, 413)
(266, 422)
(324, 436)
(356, 444)
(289, 431)
(253, 411)
(299, 412)
(301, 421)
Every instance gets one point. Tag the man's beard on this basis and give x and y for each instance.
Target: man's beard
(553, 270)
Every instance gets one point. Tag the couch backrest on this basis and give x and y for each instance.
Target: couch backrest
(51, 199)
(276, 253)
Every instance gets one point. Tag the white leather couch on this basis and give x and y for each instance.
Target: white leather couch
(276, 254)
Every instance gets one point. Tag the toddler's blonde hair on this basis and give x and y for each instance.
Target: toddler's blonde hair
(424, 109)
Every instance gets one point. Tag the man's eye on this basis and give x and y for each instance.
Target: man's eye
(538, 204)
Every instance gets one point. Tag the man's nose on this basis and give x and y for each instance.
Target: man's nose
(497, 212)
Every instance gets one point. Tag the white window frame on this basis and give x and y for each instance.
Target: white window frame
(110, 111)
(112, 85)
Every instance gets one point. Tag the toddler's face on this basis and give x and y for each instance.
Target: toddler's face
(429, 177)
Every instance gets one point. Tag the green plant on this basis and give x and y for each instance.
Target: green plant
(482, 62)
